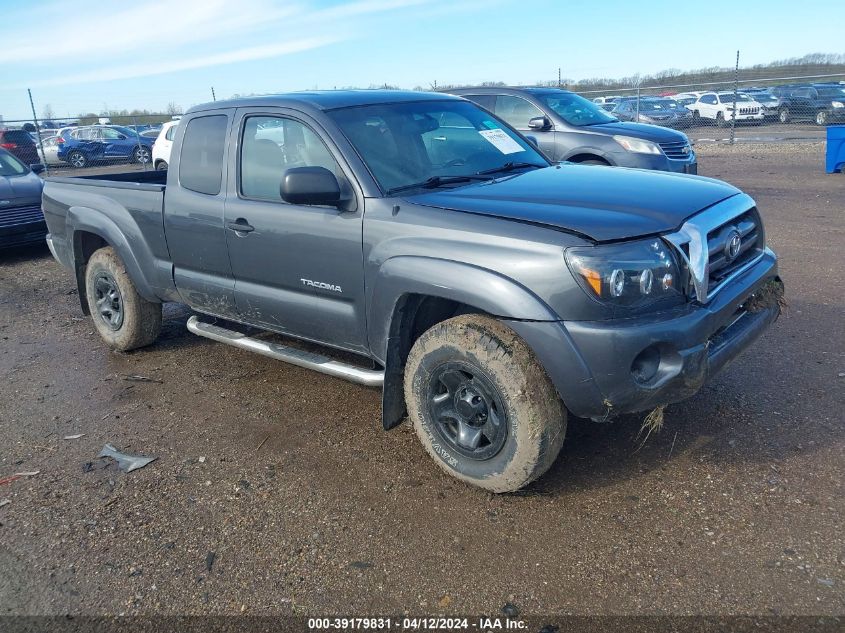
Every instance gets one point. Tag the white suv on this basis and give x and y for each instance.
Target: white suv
(719, 107)
(164, 141)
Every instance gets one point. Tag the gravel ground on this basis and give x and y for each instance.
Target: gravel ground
(276, 492)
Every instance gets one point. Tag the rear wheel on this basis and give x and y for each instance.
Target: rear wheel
(77, 159)
(482, 405)
(122, 317)
(141, 154)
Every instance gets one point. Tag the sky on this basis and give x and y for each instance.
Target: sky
(82, 56)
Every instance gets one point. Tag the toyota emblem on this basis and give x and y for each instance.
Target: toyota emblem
(733, 245)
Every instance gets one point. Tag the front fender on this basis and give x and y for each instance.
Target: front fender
(138, 259)
(471, 285)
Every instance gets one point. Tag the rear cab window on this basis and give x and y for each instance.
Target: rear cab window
(201, 160)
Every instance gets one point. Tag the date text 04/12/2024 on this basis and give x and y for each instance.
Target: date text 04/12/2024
(416, 624)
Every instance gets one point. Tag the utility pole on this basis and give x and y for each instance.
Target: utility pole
(559, 81)
(37, 130)
(736, 92)
(213, 96)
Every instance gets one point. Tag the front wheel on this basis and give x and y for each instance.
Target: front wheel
(161, 165)
(720, 119)
(482, 405)
(122, 317)
(821, 117)
(783, 115)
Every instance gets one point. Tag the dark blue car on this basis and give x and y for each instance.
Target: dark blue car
(21, 220)
(103, 144)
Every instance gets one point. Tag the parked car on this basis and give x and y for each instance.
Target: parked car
(654, 110)
(568, 127)
(20, 144)
(821, 103)
(50, 155)
(163, 144)
(718, 107)
(488, 291)
(21, 220)
(101, 143)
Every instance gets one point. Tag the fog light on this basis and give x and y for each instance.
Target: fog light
(617, 283)
(645, 365)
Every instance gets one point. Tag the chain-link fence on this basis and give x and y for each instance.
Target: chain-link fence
(91, 143)
(771, 104)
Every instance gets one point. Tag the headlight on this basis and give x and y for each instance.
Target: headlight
(837, 104)
(637, 145)
(632, 275)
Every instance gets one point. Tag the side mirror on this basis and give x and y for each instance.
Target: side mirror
(310, 185)
(539, 123)
(122, 137)
(37, 168)
(532, 140)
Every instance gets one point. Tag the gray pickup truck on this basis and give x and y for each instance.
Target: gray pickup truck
(487, 290)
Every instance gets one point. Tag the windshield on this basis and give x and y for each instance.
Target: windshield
(404, 144)
(11, 166)
(664, 105)
(729, 98)
(575, 110)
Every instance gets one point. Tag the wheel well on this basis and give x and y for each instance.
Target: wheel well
(85, 244)
(413, 315)
(579, 158)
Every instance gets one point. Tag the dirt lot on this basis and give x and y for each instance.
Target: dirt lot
(275, 491)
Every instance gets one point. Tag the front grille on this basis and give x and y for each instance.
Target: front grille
(749, 110)
(751, 243)
(676, 149)
(18, 216)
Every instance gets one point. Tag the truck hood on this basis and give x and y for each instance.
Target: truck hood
(601, 203)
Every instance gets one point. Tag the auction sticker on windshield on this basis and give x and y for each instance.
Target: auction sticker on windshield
(501, 141)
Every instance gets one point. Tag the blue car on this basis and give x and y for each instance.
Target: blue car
(103, 144)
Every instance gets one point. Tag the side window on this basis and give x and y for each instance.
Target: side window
(171, 132)
(485, 101)
(109, 134)
(273, 144)
(201, 160)
(516, 111)
(711, 99)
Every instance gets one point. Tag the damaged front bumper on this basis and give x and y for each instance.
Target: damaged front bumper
(605, 368)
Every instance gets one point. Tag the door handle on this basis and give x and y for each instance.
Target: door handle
(240, 226)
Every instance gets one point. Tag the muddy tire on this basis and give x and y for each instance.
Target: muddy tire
(482, 405)
(123, 318)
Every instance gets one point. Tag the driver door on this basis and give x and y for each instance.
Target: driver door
(518, 112)
(298, 269)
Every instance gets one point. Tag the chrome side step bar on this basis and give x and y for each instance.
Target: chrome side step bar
(308, 360)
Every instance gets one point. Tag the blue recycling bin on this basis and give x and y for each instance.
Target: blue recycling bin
(835, 158)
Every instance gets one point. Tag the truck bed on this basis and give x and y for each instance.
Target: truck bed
(119, 207)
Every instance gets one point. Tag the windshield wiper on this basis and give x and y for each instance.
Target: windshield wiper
(434, 182)
(510, 166)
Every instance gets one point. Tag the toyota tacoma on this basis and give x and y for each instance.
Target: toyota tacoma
(489, 292)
